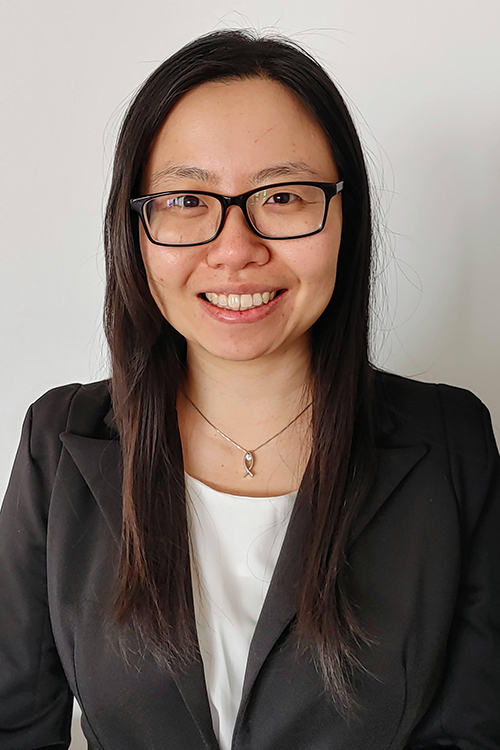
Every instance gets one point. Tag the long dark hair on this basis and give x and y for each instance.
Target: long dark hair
(148, 358)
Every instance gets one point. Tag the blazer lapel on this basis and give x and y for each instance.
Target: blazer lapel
(280, 603)
(99, 462)
(192, 687)
(392, 467)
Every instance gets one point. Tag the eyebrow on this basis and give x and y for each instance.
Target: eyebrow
(185, 171)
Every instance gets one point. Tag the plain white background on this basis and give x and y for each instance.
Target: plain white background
(423, 83)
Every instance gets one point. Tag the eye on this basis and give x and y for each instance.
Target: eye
(283, 198)
(184, 201)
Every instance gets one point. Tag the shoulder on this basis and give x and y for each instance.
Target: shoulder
(452, 422)
(57, 403)
(428, 408)
(409, 394)
(77, 407)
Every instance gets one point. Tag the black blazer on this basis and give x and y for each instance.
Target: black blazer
(425, 574)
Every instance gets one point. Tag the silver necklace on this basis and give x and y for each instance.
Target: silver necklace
(248, 458)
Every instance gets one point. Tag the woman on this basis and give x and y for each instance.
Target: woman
(248, 537)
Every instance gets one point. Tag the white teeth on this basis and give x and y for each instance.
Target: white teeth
(240, 301)
(233, 301)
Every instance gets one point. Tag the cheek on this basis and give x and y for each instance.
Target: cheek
(320, 272)
(328, 246)
(168, 275)
(158, 274)
(318, 277)
(154, 274)
(322, 287)
(328, 254)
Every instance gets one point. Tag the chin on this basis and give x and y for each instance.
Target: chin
(239, 354)
(239, 349)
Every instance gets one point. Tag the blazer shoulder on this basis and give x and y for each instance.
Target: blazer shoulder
(453, 422)
(75, 407)
(425, 406)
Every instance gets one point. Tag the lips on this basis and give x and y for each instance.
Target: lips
(243, 315)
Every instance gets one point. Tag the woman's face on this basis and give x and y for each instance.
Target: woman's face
(228, 138)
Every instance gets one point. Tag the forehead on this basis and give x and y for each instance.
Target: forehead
(236, 128)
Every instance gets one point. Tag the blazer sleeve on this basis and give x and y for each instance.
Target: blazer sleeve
(465, 713)
(35, 700)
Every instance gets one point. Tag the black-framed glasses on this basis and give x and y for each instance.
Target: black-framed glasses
(282, 211)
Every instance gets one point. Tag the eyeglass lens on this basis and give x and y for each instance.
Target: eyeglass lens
(185, 218)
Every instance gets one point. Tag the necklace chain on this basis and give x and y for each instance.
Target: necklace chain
(248, 458)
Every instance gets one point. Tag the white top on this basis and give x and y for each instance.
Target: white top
(235, 543)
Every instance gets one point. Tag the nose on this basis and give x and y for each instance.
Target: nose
(236, 246)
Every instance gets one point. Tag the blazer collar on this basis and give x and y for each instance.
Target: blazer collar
(99, 462)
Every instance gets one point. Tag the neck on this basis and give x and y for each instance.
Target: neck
(265, 386)
(250, 402)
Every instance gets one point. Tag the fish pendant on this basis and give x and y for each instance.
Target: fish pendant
(248, 464)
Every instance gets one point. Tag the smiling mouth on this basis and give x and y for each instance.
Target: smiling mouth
(240, 301)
